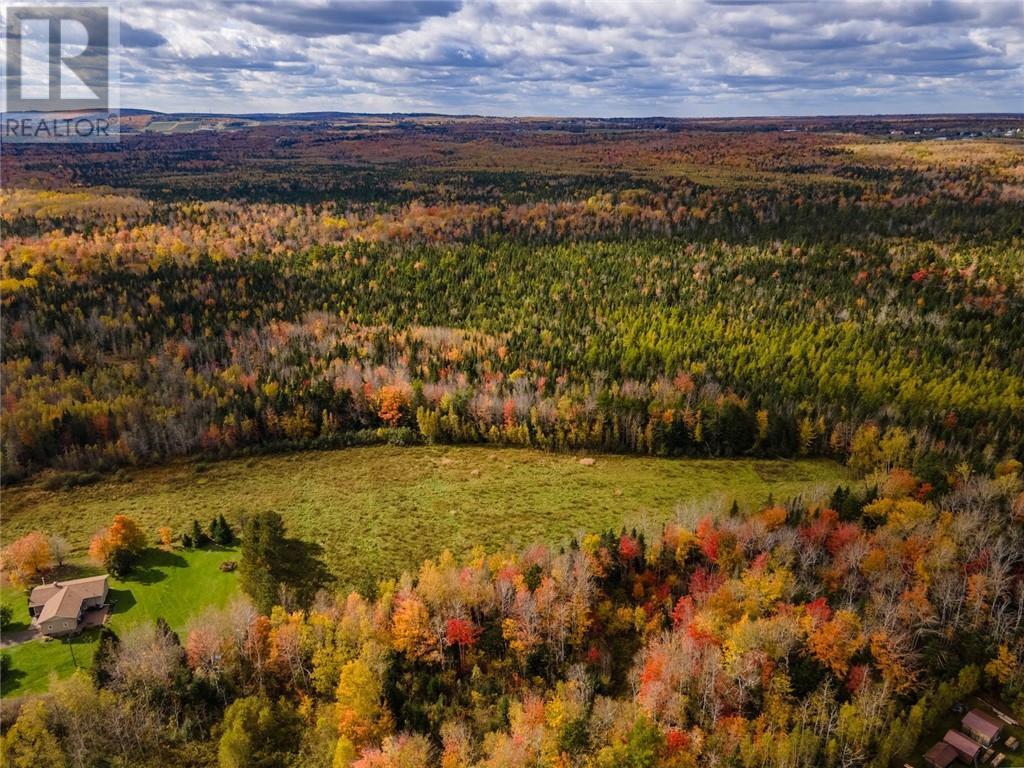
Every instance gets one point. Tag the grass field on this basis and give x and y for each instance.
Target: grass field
(377, 511)
(172, 585)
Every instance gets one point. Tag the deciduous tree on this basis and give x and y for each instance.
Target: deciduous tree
(27, 558)
(119, 547)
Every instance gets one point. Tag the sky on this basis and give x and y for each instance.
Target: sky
(696, 58)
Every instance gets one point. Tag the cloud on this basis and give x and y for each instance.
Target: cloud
(341, 17)
(631, 57)
(135, 37)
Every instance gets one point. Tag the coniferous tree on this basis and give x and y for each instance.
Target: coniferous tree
(199, 536)
(263, 553)
(103, 658)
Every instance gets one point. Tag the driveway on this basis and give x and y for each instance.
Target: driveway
(17, 637)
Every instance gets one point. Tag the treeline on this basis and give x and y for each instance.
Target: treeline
(814, 635)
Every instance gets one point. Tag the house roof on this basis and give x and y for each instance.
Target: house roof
(962, 744)
(63, 599)
(982, 723)
(42, 593)
(941, 755)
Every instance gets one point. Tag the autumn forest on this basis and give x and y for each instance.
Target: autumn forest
(849, 289)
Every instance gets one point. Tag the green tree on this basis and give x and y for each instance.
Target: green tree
(220, 531)
(104, 656)
(258, 733)
(645, 744)
(263, 552)
(199, 537)
(276, 568)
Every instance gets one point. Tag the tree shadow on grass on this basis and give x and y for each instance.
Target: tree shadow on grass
(142, 575)
(16, 626)
(150, 568)
(70, 571)
(83, 638)
(11, 681)
(303, 570)
(121, 600)
(161, 558)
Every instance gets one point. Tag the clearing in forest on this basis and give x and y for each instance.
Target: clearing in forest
(379, 510)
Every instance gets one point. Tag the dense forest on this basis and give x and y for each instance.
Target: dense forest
(712, 294)
(830, 288)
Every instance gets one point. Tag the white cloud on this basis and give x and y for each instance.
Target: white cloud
(586, 58)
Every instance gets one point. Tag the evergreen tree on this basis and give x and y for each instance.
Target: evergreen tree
(221, 532)
(199, 536)
(214, 530)
(263, 554)
(102, 659)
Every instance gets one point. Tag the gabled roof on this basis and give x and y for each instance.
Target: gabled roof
(981, 722)
(42, 593)
(941, 755)
(961, 743)
(63, 599)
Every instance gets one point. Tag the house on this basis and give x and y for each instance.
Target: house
(940, 756)
(967, 750)
(982, 727)
(57, 608)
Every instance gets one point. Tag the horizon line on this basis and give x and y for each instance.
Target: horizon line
(540, 116)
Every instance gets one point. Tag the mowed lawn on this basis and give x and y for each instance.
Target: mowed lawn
(379, 510)
(173, 585)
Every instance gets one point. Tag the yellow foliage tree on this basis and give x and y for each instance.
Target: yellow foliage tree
(1003, 666)
(411, 632)
(362, 716)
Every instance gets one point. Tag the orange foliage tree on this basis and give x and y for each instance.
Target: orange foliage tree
(390, 402)
(836, 641)
(119, 546)
(27, 558)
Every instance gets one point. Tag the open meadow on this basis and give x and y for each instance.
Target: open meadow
(379, 510)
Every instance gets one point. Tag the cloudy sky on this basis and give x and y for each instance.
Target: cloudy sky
(626, 58)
